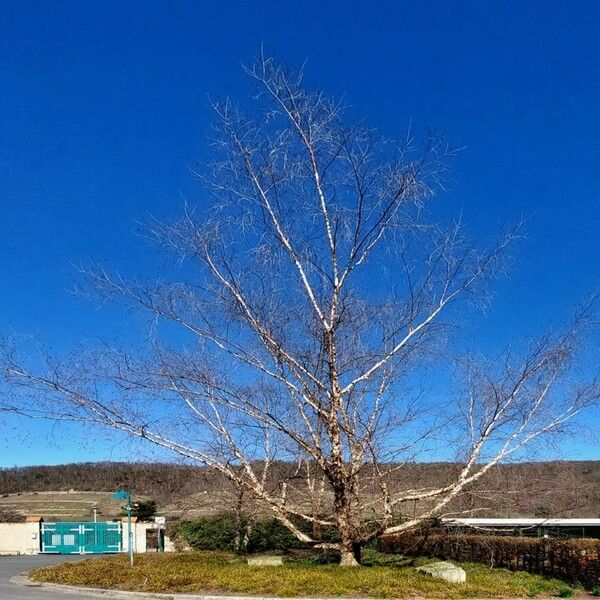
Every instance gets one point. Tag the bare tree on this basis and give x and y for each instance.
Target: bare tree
(314, 296)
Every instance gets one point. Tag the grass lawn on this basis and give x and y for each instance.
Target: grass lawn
(384, 576)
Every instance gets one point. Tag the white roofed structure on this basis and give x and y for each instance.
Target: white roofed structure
(538, 526)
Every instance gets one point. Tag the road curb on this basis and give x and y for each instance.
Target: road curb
(23, 580)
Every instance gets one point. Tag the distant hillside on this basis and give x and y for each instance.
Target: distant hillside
(69, 492)
(530, 489)
(141, 478)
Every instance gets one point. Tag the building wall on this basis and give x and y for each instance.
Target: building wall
(139, 536)
(24, 538)
(19, 538)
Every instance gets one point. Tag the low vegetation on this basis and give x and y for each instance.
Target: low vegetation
(229, 532)
(572, 560)
(384, 576)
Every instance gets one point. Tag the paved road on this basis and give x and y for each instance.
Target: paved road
(13, 565)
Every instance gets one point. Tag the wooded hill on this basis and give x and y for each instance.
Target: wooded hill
(552, 489)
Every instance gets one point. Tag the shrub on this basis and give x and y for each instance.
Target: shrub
(227, 533)
(219, 532)
(591, 577)
(573, 560)
(596, 591)
(565, 592)
(271, 535)
(144, 509)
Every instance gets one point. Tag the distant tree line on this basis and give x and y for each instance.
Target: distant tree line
(548, 489)
(146, 479)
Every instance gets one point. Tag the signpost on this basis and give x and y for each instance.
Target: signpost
(126, 495)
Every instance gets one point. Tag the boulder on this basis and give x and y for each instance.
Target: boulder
(265, 561)
(444, 570)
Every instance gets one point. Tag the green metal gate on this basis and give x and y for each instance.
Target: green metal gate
(81, 537)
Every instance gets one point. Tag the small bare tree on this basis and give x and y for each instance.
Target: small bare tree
(315, 295)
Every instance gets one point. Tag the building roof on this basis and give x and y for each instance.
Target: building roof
(537, 522)
(33, 519)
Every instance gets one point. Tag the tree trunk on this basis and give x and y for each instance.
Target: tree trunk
(350, 554)
(357, 549)
(350, 549)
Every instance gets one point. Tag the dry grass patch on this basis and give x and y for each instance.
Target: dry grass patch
(220, 572)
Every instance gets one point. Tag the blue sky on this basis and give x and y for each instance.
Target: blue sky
(104, 107)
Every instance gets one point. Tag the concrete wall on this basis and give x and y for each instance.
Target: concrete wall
(19, 538)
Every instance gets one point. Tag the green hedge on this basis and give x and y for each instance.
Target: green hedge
(271, 535)
(220, 532)
(574, 560)
(226, 532)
